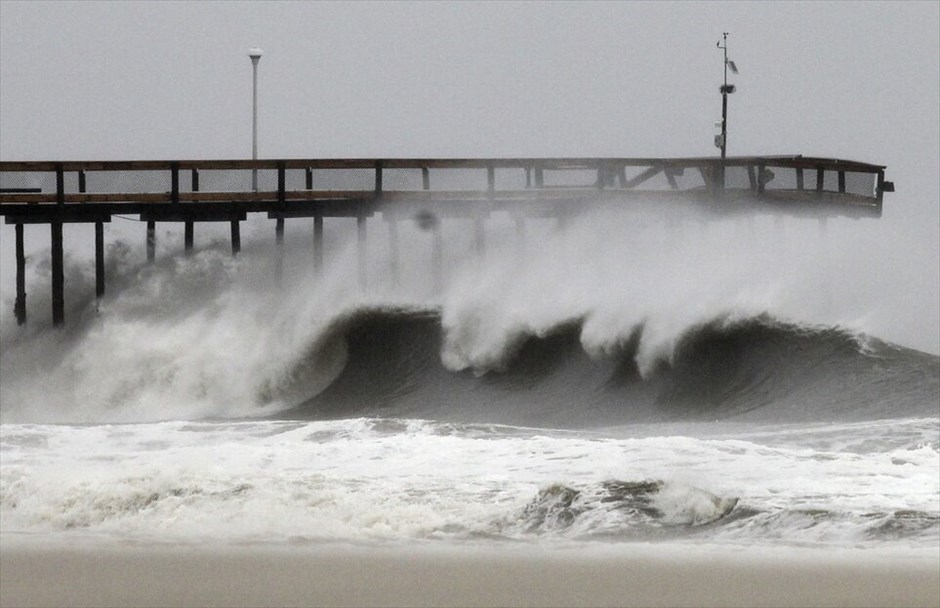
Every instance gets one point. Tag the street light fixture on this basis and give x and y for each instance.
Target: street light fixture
(255, 54)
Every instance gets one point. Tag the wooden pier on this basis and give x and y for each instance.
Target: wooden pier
(426, 190)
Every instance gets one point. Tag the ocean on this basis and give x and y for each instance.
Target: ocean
(615, 381)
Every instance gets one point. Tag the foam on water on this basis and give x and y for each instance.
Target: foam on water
(411, 480)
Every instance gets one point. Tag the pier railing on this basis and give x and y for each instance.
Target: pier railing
(141, 184)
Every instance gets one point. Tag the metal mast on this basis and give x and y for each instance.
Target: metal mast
(726, 89)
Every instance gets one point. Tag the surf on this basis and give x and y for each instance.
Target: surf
(610, 318)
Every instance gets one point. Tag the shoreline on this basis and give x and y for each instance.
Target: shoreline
(476, 575)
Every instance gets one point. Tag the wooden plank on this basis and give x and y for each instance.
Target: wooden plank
(186, 213)
(50, 213)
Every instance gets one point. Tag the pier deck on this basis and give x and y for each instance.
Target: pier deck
(194, 191)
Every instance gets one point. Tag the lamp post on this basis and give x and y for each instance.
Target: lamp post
(255, 54)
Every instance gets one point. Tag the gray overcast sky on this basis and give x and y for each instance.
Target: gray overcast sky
(132, 80)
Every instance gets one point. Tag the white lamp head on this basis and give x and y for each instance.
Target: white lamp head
(255, 54)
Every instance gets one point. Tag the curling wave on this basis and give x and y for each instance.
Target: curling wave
(753, 369)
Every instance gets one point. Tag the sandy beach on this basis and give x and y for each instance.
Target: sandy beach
(440, 576)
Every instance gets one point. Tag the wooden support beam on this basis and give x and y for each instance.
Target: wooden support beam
(642, 177)
(151, 240)
(236, 237)
(188, 228)
(58, 275)
(393, 257)
(19, 306)
(279, 250)
(99, 259)
(194, 212)
(279, 232)
(752, 177)
(437, 258)
(318, 245)
(671, 178)
(362, 251)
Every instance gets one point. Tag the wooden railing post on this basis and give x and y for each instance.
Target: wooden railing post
(174, 182)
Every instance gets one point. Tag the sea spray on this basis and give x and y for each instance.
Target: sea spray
(212, 335)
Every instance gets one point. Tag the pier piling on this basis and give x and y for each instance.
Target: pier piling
(236, 238)
(58, 275)
(19, 306)
(393, 253)
(151, 240)
(361, 250)
(318, 245)
(99, 259)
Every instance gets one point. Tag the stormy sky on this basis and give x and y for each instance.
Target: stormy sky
(172, 80)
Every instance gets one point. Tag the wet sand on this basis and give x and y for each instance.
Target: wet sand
(642, 575)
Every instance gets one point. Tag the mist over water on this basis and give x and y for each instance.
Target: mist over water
(216, 336)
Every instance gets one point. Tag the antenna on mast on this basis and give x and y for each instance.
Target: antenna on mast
(721, 141)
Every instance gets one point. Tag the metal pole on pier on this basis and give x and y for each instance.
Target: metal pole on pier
(255, 54)
(721, 141)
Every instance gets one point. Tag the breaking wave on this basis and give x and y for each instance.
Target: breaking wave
(755, 369)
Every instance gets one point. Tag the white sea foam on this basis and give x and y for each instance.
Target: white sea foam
(410, 480)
